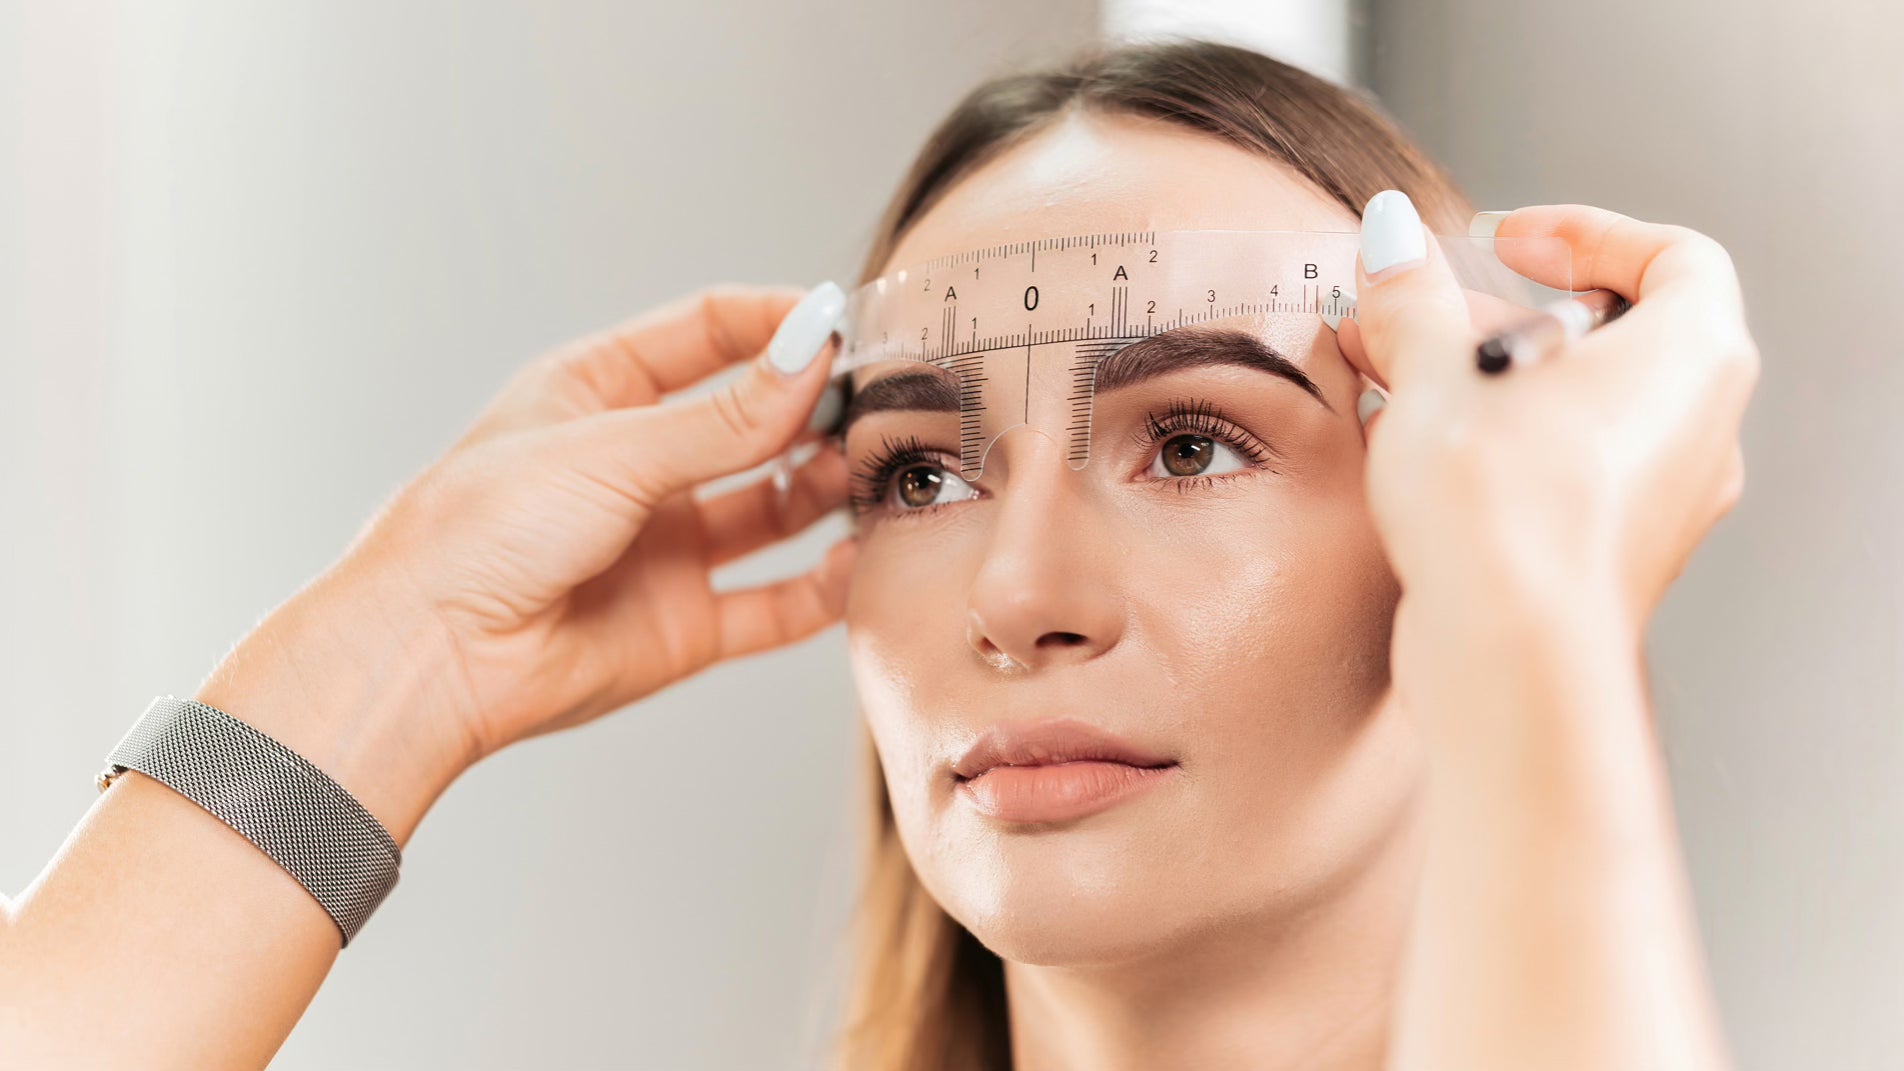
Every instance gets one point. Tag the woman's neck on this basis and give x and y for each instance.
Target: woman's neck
(1309, 992)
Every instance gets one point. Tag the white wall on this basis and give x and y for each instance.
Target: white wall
(259, 263)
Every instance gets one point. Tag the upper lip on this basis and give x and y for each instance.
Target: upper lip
(1047, 743)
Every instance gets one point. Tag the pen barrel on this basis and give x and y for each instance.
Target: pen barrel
(1546, 333)
(1562, 322)
(1549, 328)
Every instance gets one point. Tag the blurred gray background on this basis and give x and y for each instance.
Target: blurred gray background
(260, 263)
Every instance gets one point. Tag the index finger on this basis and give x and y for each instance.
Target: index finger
(1630, 257)
(677, 344)
(664, 349)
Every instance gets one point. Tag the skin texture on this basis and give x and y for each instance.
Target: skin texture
(1240, 626)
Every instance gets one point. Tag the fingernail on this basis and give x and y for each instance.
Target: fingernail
(1484, 224)
(1333, 312)
(1366, 406)
(1391, 232)
(804, 332)
(826, 411)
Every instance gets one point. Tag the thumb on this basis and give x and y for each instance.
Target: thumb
(1411, 313)
(655, 451)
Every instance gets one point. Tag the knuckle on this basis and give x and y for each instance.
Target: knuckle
(1712, 329)
(1451, 444)
(1733, 487)
(644, 484)
(1745, 360)
(1690, 251)
(713, 303)
(562, 361)
(735, 413)
(1735, 356)
(1590, 261)
(1704, 246)
(1487, 459)
(1707, 256)
(574, 364)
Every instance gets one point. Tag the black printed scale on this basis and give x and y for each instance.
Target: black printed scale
(1094, 293)
(1124, 261)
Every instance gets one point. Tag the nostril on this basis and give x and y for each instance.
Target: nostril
(1060, 639)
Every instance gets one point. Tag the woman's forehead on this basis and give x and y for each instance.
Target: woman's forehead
(1091, 173)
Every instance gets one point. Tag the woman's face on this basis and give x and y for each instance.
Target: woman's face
(1212, 594)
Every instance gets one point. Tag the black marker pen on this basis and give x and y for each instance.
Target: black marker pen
(1549, 328)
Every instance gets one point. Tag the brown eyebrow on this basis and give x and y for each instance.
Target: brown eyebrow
(1157, 355)
(937, 390)
(929, 389)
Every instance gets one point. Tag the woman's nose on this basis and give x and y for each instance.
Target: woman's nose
(1047, 590)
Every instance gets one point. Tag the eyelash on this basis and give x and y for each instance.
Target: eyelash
(1202, 418)
(871, 480)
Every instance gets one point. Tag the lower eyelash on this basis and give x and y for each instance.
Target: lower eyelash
(1186, 484)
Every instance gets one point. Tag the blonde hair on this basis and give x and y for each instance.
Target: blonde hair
(923, 994)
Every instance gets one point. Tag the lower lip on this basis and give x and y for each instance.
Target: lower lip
(1059, 792)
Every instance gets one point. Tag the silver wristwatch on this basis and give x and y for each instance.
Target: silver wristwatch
(272, 796)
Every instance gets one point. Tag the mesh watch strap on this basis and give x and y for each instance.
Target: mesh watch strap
(294, 812)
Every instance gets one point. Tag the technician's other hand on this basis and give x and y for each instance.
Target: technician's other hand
(558, 549)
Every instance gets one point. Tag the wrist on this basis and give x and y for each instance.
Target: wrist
(1507, 649)
(1539, 709)
(360, 688)
(1522, 606)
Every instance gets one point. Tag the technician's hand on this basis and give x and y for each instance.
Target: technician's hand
(1592, 474)
(558, 545)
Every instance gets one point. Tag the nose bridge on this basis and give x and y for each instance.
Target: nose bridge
(1043, 589)
(1005, 393)
(1039, 490)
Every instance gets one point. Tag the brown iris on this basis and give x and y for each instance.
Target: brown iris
(1187, 455)
(919, 485)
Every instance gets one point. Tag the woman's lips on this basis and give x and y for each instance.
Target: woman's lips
(1055, 770)
(1058, 792)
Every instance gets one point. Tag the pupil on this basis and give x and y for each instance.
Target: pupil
(919, 486)
(1187, 455)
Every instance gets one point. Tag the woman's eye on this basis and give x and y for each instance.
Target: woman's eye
(1195, 455)
(919, 486)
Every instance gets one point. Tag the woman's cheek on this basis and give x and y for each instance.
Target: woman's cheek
(1290, 587)
(905, 640)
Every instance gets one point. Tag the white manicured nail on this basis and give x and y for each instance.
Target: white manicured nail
(1333, 312)
(1391, 232)
(803, 334)
(1366, 406)
(1484, 224)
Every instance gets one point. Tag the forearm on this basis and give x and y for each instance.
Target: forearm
(158, 934)
(1555, 926)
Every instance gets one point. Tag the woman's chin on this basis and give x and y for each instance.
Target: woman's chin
(1076, 931)
(1057, 918)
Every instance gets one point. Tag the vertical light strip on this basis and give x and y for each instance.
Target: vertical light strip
(1320, 36)
(55, 361)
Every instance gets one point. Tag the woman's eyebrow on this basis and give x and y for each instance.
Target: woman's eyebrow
(1158, 355)
(932, 389)
(929, 389)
